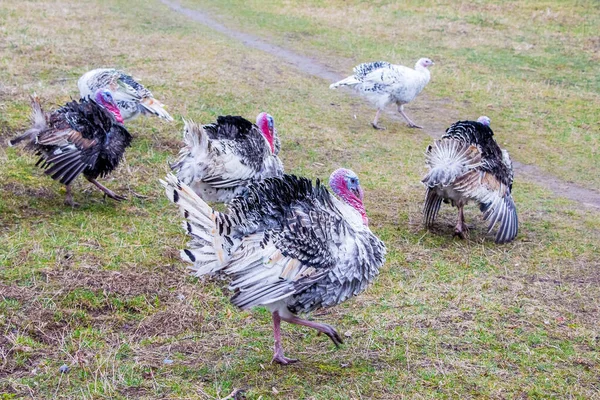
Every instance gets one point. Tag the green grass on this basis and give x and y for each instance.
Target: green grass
(531, 66)
(102, 290)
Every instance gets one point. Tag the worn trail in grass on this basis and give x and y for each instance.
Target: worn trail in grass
(533, 68)
(102, 288)
(311, 66)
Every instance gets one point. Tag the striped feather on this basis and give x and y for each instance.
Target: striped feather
(219, 160)
(449, 159)
(210, 230)
(431, 206)
(284, 240)
(467, 164)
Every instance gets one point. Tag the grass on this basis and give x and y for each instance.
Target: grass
(102, 290)
(531, 66)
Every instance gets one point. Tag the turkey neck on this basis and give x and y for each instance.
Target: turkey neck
(268, 134)
(353, 201)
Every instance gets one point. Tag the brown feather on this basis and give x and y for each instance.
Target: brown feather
(81, 142)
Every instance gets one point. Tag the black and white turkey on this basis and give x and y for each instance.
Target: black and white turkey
(219, 160)
(131, 96)
(286, 244)
(80, 137)
(383, 84)
(467, 164)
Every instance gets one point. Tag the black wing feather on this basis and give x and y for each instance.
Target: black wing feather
(81, 136)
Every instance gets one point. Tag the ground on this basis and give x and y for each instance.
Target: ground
(101, 289)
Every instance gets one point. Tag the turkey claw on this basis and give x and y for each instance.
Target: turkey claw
(461, 231)
(117, 197)
(114, 196)
(71, 203)
(283, 360)
(333, 335)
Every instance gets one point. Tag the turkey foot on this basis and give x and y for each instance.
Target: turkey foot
(69, 198)
(322, 328)
(461, 231)
(280, 359)
(461, 228)
(107, 191)
(375, 124)
(278, 356)
(410, 123)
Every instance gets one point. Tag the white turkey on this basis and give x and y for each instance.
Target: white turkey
(287, 245)
(383, 84)
(219, 160)
(467, 164)
(131, 96)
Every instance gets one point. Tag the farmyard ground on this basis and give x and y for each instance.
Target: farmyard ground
(102, 289)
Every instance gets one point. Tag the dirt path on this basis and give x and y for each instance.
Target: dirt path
(313, 67)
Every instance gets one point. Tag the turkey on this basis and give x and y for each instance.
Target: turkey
(219, 160)
(467, 164)
(286, 244)
(383, 83)
(80, 137)
(131, 96)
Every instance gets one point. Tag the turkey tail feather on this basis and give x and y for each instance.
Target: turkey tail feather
(449, 159)
(38, 120)
(155, 107)
(431, 206)
(205, 225)
(349, 81)
(196, 148)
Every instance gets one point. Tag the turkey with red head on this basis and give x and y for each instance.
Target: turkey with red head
(80, 137)
(286, 244)
(219, 160)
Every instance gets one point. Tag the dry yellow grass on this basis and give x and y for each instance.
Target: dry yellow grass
(531, 66)
(102, 289)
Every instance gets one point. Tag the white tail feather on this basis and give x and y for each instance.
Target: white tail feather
(188, 164)
(38, 119)
(155, 107)
(205, 250)
(349, 81)
(449, 159)
(195, 137)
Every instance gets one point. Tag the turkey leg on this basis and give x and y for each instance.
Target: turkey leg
(461, 227)
(106, 190)
(69, 197)
(374, 123)
(410, 123)
(278, 356)
(323, 328)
